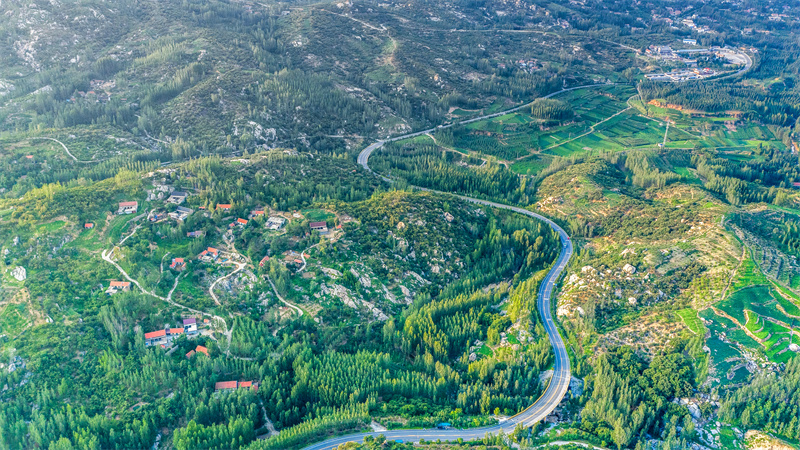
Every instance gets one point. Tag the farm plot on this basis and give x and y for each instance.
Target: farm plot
(692, 321)
(757, 307)
(724, 343)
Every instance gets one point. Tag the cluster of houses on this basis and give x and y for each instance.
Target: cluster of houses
(165, 337)
(222, 386)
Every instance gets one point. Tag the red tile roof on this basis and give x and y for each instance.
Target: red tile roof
(155, 334)
(258, 212)
(201, 349)
(226, 385)
(242, 221)
(190, 354)
(246, 384)
(116, 283)
(263, 260)
(128, 204)
(318, 224)
(223, 206)
(213, 250)
(176, 331)
(88, 225)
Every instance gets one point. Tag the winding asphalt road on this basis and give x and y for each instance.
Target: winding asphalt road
(559, 383)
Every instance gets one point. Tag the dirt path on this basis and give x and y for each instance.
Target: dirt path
(303, 257)
(592, 129)
(485, 161)
(65, 149)
(721, 313)
(733, 274)
(107, 256)
(285, 302)
(239, 267)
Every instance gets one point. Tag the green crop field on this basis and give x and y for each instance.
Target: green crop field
(692, 321)
(317, 215)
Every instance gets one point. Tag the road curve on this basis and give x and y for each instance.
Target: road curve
(559, 383)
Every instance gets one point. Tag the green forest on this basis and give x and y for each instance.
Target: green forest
(195, 253)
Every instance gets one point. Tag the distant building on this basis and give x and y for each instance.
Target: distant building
(224, 206)
(198, 349)
(181, 213)
(88, 225)
(177, 264)
(177, 197)
(194, 234)
(116, 286)
(241, 222)
(231, 385)
(19, 273)
(275, 222)
(690, 41)
(322, 227)
(155, 338)
(190, 325)
(256, 213)
(162, 337)
(208, 255)
(128, 207)
(226, 385)
(263, 261)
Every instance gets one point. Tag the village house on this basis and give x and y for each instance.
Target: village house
(88, 225)
(241, 223)
(116, 286)
(181, 213)
(19, 273)
(263, 261)
(190, 325)
(198, 349)
(162, 337)
(256, 213)
(209, 255)
(226, 385)
(232, 385)
(224, 206)
(156, 216)
(194, 234)
(322, 227)
(128, 207)
(275, 222)
(177, 197)
(155, 338)
(177, 264)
